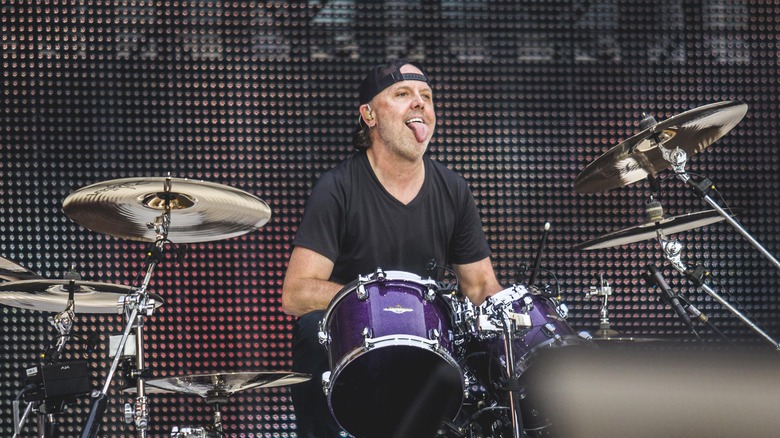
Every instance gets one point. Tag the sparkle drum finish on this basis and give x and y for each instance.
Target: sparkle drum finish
(388, 335)
(548, 326)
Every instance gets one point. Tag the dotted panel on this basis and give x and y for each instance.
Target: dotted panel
(261, 96)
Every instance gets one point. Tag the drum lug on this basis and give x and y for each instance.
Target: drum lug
(563, 310)
(324, 338)
(549, 330)
(368, 335)
(322, 335)
(528, 302)
(326, 382)
(362, 293)
(434, 334)
(430, 295)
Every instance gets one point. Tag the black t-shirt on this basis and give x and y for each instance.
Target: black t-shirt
(353, 221)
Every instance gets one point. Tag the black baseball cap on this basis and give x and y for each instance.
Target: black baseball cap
(384, 75)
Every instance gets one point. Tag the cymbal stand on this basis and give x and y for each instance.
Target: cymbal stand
(603, 291)
(673, 252)
(216, 401)
(500, 314)
(63, 323)
(136, 306)
(678, 158)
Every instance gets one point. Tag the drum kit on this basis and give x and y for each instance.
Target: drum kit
(163, 211)
(389, 334)
(396, 342)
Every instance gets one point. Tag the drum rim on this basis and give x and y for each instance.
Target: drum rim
(389, 276)
(416, 341)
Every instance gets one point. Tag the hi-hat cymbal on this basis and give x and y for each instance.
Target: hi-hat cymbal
(640, 156)
(226, 383)
(648, 230)
(199, 211)
(11, 271)
(614, 336)
(52, 295)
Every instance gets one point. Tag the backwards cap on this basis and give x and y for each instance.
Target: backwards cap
(384, 75)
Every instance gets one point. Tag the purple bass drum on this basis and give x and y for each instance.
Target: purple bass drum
(390, 342)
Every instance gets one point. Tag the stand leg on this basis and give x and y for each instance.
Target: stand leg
(514, 401)
(19, 423)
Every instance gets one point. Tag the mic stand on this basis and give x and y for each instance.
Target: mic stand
(704, 319)
(678, 158)
(139, 304)
(673, 252)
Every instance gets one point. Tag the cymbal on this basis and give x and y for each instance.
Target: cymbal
(639, 156)
(621, 339)
(11, 271)
(52, 295)
(648, 230)
(225, 384)
(199, 211)
(607, 335)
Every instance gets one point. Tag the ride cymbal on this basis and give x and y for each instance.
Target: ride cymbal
(199, 211)
(11, 271)
(648, 230)
(640, 156)
(52, 295)
(226, 383)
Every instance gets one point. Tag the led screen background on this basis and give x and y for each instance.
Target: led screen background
(262, 96)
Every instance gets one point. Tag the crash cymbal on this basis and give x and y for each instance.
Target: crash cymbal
(225, 384)
(648, 230)
(52, 295)
(11, 271)
(640, 156)
(199, 211)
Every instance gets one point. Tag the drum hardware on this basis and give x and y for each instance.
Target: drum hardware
(508, 322)
(603, 291)
(379, 366)
(51, 384)
(217, 388)
(150, 210)
(670, 297)
(669, 143)
(672, 251)
(137, 307)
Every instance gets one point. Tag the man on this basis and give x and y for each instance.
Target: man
(388, 206)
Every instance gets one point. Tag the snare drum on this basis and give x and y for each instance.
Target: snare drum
(386, 335)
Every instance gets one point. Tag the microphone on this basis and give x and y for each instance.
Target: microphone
(658, 279)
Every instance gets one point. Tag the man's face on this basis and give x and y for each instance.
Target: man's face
(405, 116)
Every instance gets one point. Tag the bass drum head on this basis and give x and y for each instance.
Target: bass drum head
(391, 372)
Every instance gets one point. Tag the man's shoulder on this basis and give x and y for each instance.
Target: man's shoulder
(342, 171)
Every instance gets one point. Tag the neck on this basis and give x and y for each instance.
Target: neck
(400, 177)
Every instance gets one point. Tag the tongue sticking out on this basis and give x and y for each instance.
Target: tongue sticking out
(420, 130)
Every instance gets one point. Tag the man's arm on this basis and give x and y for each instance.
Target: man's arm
(306, 287)
(477, 280)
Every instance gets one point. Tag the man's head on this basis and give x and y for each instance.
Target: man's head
(384, 78)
